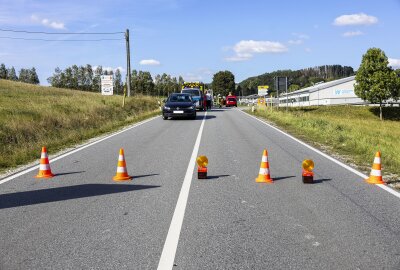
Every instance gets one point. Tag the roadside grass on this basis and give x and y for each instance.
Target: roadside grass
(354, 133)
(33, 116)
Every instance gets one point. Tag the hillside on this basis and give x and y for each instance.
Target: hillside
(32, 116)
(297, 78)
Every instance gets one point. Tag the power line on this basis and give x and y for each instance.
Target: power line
(53, 33)
(42, 39)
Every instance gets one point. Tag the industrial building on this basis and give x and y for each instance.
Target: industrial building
(335, 92)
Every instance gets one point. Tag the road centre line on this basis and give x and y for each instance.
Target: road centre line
(171, 243)
(75, 150)
(384, 187)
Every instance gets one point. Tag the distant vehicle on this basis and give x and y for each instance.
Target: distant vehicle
(196, 89)
(179, 105)
(231, 101)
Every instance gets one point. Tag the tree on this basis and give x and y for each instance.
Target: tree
(375, 80)
(223, 82)
(12, 75)
(24, 75)
(294, 87)
(118, 85)
(96, 79)
(33, 77)
(3, 72)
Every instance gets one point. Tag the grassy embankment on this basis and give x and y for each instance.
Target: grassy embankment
(32, 116)
(355, 133)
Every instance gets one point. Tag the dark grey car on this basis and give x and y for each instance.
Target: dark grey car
(179, 105)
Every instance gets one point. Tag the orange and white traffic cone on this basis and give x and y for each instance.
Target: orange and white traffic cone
(375, 176)
(264, 174)
(44, 167)
(122, 172)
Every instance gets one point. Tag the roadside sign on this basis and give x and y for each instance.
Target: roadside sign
(107, 85)
(263, 90)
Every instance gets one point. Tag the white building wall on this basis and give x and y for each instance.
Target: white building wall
(338, 94)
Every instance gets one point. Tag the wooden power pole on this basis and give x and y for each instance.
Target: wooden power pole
(128, 64)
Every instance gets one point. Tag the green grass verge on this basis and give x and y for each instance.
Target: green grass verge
(34, 116)
(355, 133)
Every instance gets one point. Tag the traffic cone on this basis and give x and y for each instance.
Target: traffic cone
(122, 172)
(375, 176)
(44, 167)
(264, 174)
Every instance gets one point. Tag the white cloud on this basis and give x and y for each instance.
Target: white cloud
(192, 77)
(48, 23)
(149, 62)
(308, 50)
(246, 49)
(355, 19)
(394, 63)
(353, 33)
(301, 35)
(237, 58)
(201, 74)
(296, 42)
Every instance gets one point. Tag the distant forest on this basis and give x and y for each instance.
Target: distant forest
(25, 75)
(297, 78)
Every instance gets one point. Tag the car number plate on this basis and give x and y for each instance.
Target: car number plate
(178, 111)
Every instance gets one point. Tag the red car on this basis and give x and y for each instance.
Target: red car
(231, 101)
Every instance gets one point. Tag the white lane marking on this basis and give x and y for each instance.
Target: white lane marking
(171, 242)
(384, 187)
(74, 151)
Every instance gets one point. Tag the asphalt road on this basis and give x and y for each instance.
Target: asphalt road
(81, 219)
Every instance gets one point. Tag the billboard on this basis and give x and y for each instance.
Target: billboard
(263, 90)
(107, 84)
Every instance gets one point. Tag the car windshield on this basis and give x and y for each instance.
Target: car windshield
(180, 98)
(194, 92)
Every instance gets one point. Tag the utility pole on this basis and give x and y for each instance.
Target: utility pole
(128, 64)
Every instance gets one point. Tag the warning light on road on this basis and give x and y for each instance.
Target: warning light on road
(202, 162)
(308, 175)
(308, 165)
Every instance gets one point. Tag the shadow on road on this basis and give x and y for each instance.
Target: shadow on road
(208, 116)
(198, 117)
(216, 176)
(321, 180)
(66, 173)
(282, 177)
(65, 193)
(144, 175)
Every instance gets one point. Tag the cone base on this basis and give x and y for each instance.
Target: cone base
(122, 178)
(262, 179)
(44, 175)
(374, 181)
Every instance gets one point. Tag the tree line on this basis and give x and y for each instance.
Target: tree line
(25, 75)
(87, 78)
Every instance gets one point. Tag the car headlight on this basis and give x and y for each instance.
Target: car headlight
(167, 108)
(191, 108)
(197, 103)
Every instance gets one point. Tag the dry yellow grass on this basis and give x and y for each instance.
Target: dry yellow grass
(32, 116)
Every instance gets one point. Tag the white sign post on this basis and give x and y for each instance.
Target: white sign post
(263, 90)
(107, 85)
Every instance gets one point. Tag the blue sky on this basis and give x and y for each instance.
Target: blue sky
(196, 38)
